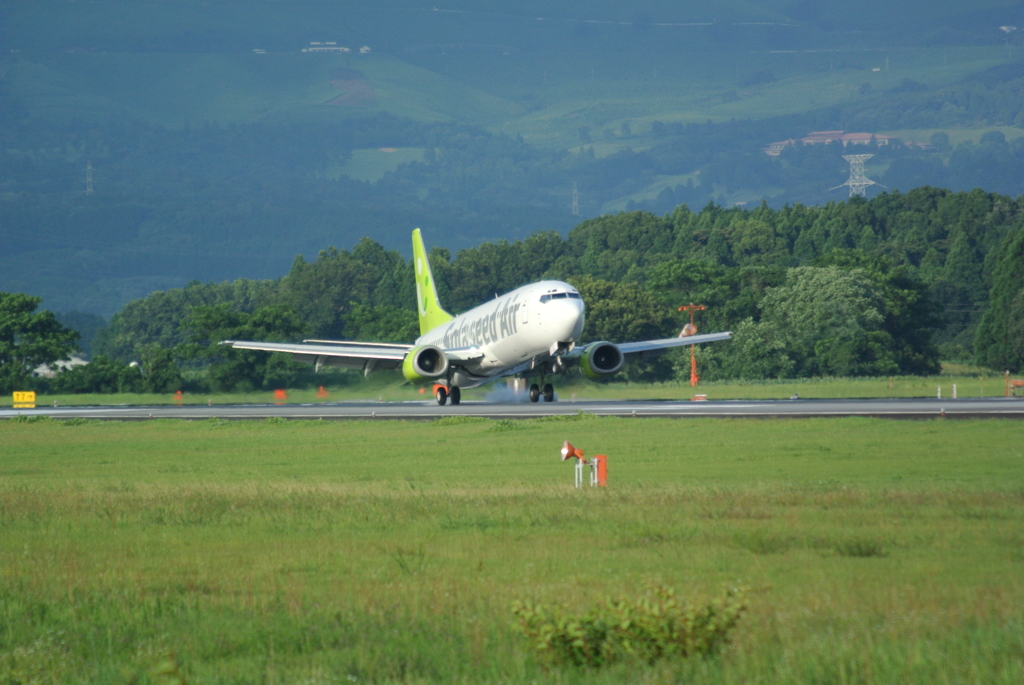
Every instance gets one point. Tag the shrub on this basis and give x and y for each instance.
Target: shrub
(860, 547)
(30, 418)
(504, 425)
(654, 626)
(459, 420)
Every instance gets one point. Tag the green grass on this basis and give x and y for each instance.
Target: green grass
(970, 382)
(869, 550)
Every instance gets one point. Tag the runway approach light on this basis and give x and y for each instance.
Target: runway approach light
(598, 465)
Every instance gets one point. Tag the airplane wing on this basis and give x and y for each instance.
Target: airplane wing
(607, 358)
(648, 348)
(346, 354)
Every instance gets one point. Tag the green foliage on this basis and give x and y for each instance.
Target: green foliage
(910, 315)
(580, 415)
(381, 323)
(622, 312)
(860, 547)
(757, 350)
(156, 374)
(231, 369)
(31, 418)
(998, 343)
(101, 375)
(505, 425)
(459, 420)
(618, 246)
(320, 292)
(87, 325)
(648, 628)
(158, 319)
(29, 339)
(159, 372)
(831, 320)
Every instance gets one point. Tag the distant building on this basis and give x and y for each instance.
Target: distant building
(826, 137)
(775, 149)
(51, 370)
(326, 47)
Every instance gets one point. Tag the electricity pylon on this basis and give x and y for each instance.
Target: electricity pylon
(858, 182)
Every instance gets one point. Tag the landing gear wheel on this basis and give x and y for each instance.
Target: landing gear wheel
(534, 393)
(441, 394)
(549, 393)
(455, 394)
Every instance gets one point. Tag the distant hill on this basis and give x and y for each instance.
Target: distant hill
(221, 150)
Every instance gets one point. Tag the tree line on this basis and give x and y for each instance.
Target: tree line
(879, 287)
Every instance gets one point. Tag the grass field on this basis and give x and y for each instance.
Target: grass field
(869, 551)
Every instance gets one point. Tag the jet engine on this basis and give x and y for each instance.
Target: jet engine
(424, 363)
(601, 359)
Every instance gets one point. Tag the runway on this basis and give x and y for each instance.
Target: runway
(996, 407)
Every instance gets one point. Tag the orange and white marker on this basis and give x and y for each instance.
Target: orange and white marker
(598, 465)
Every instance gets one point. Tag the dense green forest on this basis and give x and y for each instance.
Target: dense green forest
(884, 286)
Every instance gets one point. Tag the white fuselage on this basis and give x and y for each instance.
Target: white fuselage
(526, 324)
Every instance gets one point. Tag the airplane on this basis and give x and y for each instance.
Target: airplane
(531, 332)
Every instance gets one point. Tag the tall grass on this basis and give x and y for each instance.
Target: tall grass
(363, 552)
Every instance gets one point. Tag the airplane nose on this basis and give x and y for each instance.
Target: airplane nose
(567, 322)
(577, 329)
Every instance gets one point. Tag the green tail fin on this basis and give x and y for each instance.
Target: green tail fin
(429, 309)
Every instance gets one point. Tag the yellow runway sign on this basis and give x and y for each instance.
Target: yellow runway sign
(24, 400)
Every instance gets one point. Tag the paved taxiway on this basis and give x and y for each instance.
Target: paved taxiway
(893, 408)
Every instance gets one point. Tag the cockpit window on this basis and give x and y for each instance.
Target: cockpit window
(558, 296)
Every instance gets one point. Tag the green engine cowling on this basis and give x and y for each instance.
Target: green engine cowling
(601, 359)
(425, 363)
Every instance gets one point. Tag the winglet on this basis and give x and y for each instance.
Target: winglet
(428, 308)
